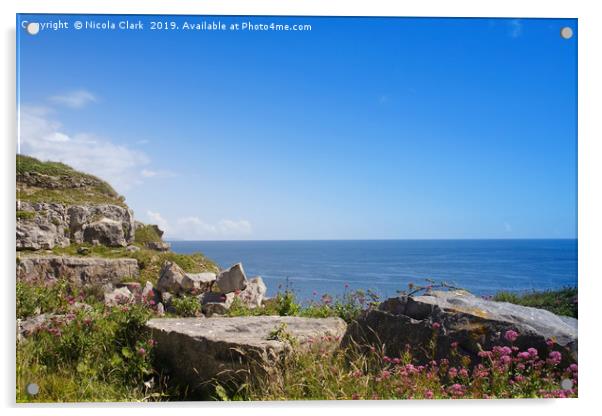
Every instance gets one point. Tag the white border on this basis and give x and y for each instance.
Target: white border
(590, 175)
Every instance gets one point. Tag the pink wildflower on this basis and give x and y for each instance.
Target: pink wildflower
(511, 335)
(532, 352)
(436, 325)
(554, 358)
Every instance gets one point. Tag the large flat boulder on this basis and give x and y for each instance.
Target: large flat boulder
(196, 350)
(81, 271)
(460, 317)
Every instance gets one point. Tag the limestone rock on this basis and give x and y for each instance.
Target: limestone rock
(201, 282)
(254, 293)
(195, 350)
(107, 231)
(49, 225)
(119, 296)
(170, 279)
(158, 245)
(232, 279)
(174, 280)
(469, 320)
(81, 271)
(132, 249)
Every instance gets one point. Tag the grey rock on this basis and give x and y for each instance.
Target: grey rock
(107, 231)
(58, 225)
(198, 281)
(170, 278)
(471, 321)
(166, 297)
(195, 350)
(254, 293)
(81, 271)
(174, 280)
(132, 249)
(119, 296)
(232, 279)
(158, 245)
(148, 290)
(84, 251)
(133, 287)
(160, 309)
(31, 325)
(80, 306)
(215, 308)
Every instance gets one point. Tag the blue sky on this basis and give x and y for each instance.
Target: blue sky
(362, 128)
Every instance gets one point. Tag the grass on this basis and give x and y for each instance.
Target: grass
(104, 354)
(150, 261)
(561, 302)
(345, 374)
(95, 354)
(25, 215)
(146, 234)
(62, 178)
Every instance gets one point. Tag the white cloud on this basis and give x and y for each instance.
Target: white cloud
(74, 99)
(156, 218)
(194, 228)
(147, 173)
(45, 138)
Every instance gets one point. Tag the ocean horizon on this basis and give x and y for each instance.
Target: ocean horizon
(312, 268)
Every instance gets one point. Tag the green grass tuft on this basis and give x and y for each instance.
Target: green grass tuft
(55, 183)
(560, 302)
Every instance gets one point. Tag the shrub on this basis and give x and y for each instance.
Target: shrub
(146, 234)
(186, 306)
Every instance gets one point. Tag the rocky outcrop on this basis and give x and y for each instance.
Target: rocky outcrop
(119, 296)
(232, 279)
(81, 271)
(460, 317)
(219, 303)
(158, 245)
(174, 280)
(196, 350)
(47, 225)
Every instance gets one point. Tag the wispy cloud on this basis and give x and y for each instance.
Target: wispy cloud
(42, 136)
(74, 99)
(194, 228)
(515, 27)
(148, 173)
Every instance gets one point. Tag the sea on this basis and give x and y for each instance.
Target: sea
(314, 268)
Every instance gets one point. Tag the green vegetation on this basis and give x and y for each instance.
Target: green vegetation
(146, 234)
(322, 373)
(560, 302)
(186, 306)
(94, 353)
(149, 261)
(25, 215)
(348, 307)
(102, 353)
(56, 182)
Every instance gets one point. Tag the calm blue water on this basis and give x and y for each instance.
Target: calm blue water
(481, 266)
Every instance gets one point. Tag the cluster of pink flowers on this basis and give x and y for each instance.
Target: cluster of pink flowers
(504, 371)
